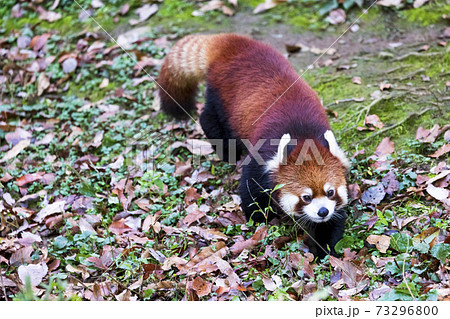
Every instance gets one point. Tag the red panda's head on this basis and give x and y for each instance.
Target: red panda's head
(314, 179)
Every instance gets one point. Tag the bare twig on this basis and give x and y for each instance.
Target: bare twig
(368, 107)
(418, 54)
(398, 68)
(343, 101)
(409, 75)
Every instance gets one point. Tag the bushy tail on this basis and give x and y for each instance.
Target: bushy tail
(183, 68)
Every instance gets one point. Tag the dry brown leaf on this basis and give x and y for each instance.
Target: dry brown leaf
(390, 3)
(385, 86)
(266, 5)
(35, 273)
(29, 178)
(201, 287)
(441, 151)
(119, 227)
(382, 242)
(191, 195)
(336, 16)
(385, 148)
(428, 136)
(56, 207)
(439, 193)
(49, 16)
(144, 12)
(260, 234)
(356, 80)
(373, 120)
(208, 234)
(199, 147)
(39, 41)
(43, 83)
(13, 152)
(18, 135)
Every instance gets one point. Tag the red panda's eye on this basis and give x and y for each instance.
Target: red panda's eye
(307, 198)
(330, 193)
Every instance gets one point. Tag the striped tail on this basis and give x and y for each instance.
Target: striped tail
(183, 68)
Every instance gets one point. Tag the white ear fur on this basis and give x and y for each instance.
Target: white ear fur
(279, 158)
(335, 149)
(282, 154)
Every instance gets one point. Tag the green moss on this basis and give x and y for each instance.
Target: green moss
(427, 14)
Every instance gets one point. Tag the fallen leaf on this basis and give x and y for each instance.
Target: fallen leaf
(385, 148)
(208, 234)
(441, 151)
(199, 147)
(419, 3)
(356, 80)
(266, 5)
(21, 256)
(380, 241)
(201, 287)
(18, 135)
(13, 152)
(56, 207)
(29, 178)
(336, 16)
(39, 41)
(126, 40)
(35, 273)
(238, 247)
(428, 136)
(390, 3)
(49, 16)
(385, 86)
(439, 193)
(119, 227)
(354, 191)
(390, 183)
(43, 83)
(373, 120)
(144, 12)
(69, 65)
(150, 269)
(374, 195)
(96, 4)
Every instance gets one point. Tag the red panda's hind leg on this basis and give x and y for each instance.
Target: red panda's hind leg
(216, 126)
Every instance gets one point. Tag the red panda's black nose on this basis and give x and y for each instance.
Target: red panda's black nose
(323, 212)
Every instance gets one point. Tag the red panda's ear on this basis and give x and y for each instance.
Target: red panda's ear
(281, 156)
(335, 149)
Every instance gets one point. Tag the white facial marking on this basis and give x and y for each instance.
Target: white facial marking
(307, 191)
(342, 192)
(335, 149)
(326, 187)
(317, 203)
(288, 202)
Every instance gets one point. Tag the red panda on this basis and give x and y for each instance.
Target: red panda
(253, 94)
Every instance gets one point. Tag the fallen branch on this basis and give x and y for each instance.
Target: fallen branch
(344, 101)
(409, 75)
(418, 54)
(398, 68)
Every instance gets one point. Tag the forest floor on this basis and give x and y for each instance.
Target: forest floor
(102, 197)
